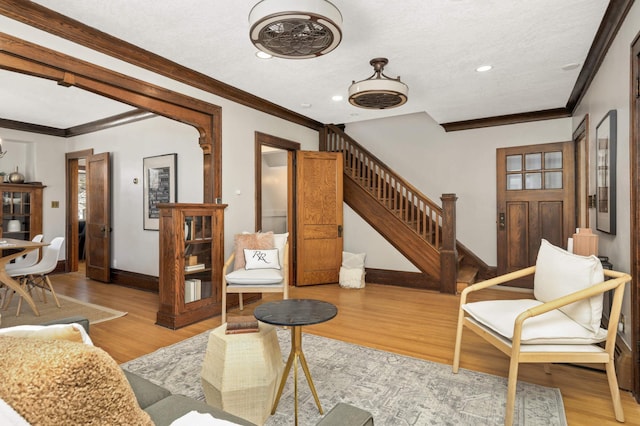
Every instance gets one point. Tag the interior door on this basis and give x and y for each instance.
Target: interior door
(98, 227)
(536, 199)
(318, 217)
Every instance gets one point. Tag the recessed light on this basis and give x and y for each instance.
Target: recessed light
(337, 98)
(305, 105)
(570, 67)
(484, 68)
(263, 55)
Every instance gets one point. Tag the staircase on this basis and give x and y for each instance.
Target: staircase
(416, 226)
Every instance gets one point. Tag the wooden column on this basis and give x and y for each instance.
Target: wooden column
(448, 251)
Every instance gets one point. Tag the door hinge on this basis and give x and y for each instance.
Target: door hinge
(637, 87)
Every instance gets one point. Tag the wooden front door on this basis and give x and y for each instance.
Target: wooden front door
(98, 228)
(536, 199)
(318, 217)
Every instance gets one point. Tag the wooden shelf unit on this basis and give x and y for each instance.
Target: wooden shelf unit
(191, 237)
(21, 202)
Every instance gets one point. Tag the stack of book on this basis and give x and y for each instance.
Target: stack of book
(192, 290)
(196, 267)
(242, 324)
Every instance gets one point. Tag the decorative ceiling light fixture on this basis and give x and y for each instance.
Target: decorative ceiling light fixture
(295, 29)
(378, 91)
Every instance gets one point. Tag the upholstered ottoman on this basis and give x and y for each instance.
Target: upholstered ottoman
(241, 372)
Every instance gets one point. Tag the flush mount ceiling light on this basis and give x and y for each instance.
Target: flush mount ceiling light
(295, 29)
(378, 91)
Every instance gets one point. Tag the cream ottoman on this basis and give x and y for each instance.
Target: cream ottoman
(241, 372)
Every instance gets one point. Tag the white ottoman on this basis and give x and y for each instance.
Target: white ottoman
(241, 372)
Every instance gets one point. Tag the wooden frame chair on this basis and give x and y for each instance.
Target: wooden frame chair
(255, 281)
(521, 352)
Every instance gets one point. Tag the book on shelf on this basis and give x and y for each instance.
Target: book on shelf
(242, 324)
(196, 267)
(192, 290)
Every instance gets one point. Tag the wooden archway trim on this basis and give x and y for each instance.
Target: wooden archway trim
(21, 56)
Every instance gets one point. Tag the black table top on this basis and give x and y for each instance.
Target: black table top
(295, 312)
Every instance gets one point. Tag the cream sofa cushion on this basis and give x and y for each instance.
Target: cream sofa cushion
(559, 273)
(553, 327)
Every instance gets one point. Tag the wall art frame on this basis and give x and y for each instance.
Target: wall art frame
(606, 135)
(160, 186)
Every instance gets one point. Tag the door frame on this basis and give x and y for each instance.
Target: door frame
(71, 202)
(263, 139)
(634, 166)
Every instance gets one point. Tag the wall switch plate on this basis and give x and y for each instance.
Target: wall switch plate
(55, 204)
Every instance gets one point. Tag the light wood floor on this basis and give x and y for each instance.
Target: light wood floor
(406, 321)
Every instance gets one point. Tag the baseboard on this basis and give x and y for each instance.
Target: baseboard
(401, 279)
(135, 280)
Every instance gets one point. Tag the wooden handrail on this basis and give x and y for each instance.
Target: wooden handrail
(401, 198)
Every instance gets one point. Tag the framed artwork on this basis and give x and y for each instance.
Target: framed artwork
(606, 133)
(159, 175)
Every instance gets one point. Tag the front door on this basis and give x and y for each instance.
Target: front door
(98, 227)
(318, 217)
(535, 200)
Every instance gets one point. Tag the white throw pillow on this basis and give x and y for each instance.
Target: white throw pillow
(73, 332)
(351, 277)
(261, 259)
(559, 273)
(552, 327)
(353, 260)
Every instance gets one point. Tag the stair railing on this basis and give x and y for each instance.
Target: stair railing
(419, 213)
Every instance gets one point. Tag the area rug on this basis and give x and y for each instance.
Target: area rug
(396, 389)
(49, 311)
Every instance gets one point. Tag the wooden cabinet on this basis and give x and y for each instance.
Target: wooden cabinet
(21, 210)
(191, 260)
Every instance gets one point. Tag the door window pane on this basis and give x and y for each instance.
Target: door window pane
(533, 181)
(533, 161)
(553, 180)
(514, 182)
(514, 163)
(553, 160)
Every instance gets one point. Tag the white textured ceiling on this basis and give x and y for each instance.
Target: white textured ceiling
(433, 45)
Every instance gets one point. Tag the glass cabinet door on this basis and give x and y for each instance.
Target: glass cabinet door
(16, 215)
(197, 258)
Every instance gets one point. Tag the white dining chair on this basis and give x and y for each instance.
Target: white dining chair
(37, 275)
(29, 259)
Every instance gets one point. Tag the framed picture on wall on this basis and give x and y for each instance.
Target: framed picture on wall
(606, 133)
(159, 175)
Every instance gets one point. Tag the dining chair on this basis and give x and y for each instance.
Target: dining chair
(561, 324)
(270, 274)
(38, 275)
(29, 259)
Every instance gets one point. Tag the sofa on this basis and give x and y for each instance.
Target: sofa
(48, 378)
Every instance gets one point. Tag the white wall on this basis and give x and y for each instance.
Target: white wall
(437, 162)
(610, 89)
(41, 159)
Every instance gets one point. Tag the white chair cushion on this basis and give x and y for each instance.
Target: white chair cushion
(261, 259)
(559, 273)
(553, 327)
(279, 241)
(255, 277)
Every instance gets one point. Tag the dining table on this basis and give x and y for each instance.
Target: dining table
(11, 249)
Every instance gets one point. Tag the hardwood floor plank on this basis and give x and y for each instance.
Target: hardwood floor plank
(411, 322)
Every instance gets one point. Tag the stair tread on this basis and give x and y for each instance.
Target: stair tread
(467, 274)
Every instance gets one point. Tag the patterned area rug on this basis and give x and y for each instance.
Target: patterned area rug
(396, 389)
